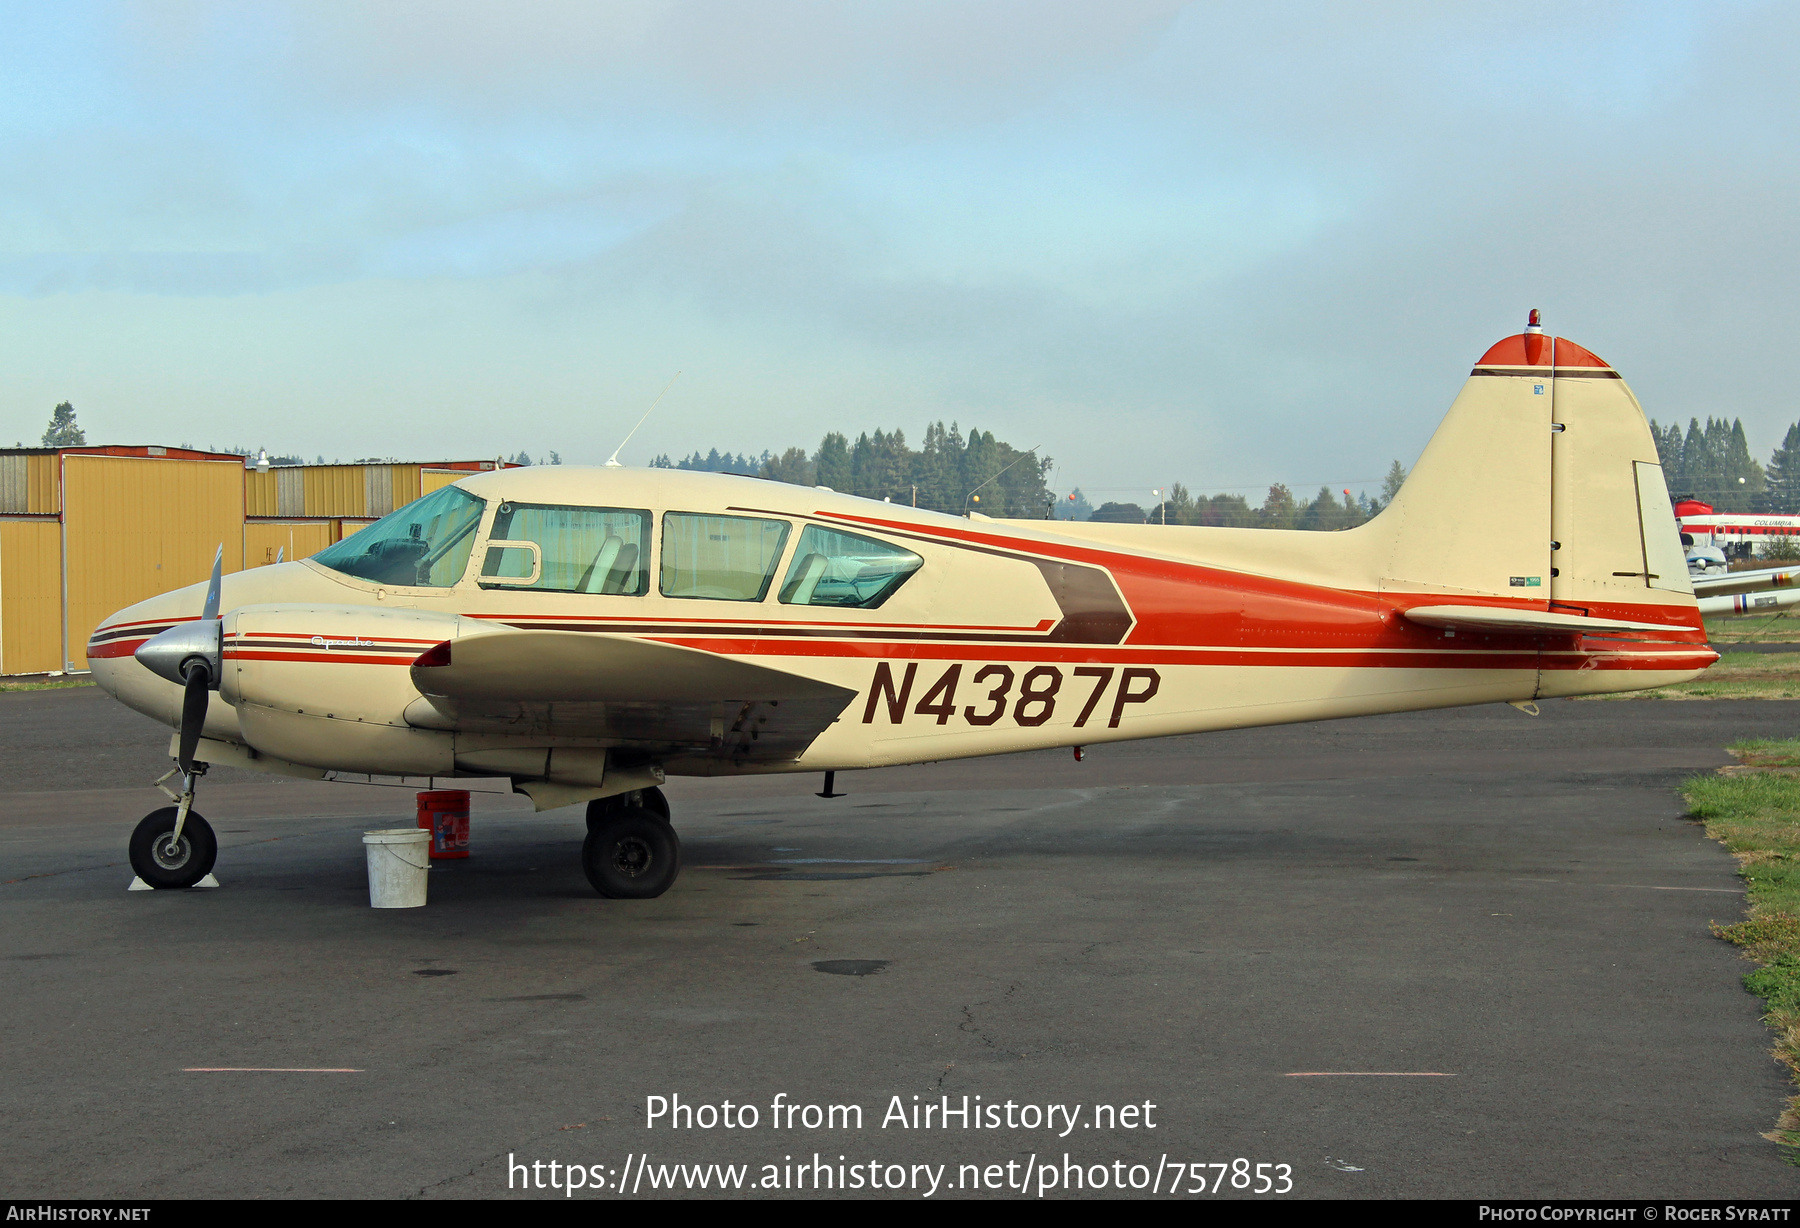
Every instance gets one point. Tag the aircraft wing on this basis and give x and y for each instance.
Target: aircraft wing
(1745, 582)
(622, 690)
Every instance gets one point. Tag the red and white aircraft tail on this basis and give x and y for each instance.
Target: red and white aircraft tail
(1538, 506)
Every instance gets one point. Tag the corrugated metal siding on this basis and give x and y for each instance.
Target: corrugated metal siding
(260, 498)
(290, 492)
(378, 489)
(264, 539)
(44, 495)
(436, 479)
(30, 596)
(141, 527)
(334, 490)
(406, 484)
(15, 484)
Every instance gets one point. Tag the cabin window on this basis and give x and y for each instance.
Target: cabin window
(548, 548)
(845, 569)
(721, 558)
(425, 544)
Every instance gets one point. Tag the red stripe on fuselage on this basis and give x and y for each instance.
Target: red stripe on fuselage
(1186, 604)
(321, 657)
(1079, 654)
(114, 648)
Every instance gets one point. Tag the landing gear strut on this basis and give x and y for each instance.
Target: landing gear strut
(631, 852)
(650, 799)
(174, 847)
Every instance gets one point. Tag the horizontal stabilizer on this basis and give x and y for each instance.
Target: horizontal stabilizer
(623, 691)
(1745, 581)
(1503, 619)
(1747, 603)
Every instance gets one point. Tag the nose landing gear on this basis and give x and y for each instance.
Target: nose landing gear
(173, 847)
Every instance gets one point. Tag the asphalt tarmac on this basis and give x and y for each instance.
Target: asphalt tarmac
(1460, 954)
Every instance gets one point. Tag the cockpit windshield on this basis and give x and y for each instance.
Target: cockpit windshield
(423, 545)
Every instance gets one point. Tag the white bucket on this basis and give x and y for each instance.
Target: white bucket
(399, 863)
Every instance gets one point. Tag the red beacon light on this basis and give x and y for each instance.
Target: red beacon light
(1534, 323)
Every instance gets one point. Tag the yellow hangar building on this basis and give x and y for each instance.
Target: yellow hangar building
(85, 531)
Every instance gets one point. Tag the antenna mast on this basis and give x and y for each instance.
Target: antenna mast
(612, 462)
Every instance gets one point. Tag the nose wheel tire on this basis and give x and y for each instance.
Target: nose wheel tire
(164, 862)
(631, 854)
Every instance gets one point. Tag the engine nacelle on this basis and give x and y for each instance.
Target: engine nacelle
(328, 685)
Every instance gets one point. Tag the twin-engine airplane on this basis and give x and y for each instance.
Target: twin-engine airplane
(586, 632)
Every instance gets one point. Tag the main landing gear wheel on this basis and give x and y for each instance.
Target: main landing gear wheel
(631, 854)
(164, 862)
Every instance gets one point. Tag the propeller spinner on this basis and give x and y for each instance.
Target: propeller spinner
(189, 654)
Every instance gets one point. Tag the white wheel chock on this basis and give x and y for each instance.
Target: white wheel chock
(138, 884)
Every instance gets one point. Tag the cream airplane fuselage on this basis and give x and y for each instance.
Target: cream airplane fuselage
(1536, 502)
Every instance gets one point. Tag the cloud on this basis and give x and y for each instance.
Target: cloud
(1216, 243)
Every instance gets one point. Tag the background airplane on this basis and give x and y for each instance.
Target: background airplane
(586, 632)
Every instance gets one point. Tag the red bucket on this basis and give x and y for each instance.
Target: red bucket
(445, 814)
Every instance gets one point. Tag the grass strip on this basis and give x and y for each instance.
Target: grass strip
(1755, 813)
(1752, 628)
(53, 684)
(1735, 675)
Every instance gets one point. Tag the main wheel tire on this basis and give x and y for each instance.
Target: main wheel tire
(651, 799)
(164, 863)
(631, 854)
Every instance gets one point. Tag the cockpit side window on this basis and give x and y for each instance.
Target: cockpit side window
(578, 549)
(425, 544)
(721, 558)
(845, 570)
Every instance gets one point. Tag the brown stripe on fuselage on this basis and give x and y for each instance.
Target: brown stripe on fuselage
(1541, 372)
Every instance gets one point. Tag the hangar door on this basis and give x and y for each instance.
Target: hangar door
(264, 540)
(139, 526)
(30, 596)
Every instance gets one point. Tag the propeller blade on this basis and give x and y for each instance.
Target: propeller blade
(193, 714)
(211, 608)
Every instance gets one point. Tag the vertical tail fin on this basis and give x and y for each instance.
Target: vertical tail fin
(1543, 481)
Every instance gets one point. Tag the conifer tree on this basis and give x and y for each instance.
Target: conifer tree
(1782, 492)
(1075, 507)
(1391, 484)
(937, 469)
(1744, 479)
(792, 465)
(1278, 508)
(831, 463)
(981, 461)
(1668, 452)
(62, 431)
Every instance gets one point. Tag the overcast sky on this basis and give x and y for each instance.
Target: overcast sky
(1219, 244)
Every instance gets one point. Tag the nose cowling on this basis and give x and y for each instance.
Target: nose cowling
(171, 653)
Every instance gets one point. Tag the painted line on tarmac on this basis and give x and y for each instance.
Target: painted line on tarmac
(849, 861)
(1369, 1074)
(272, 1070)
(1568, 882)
